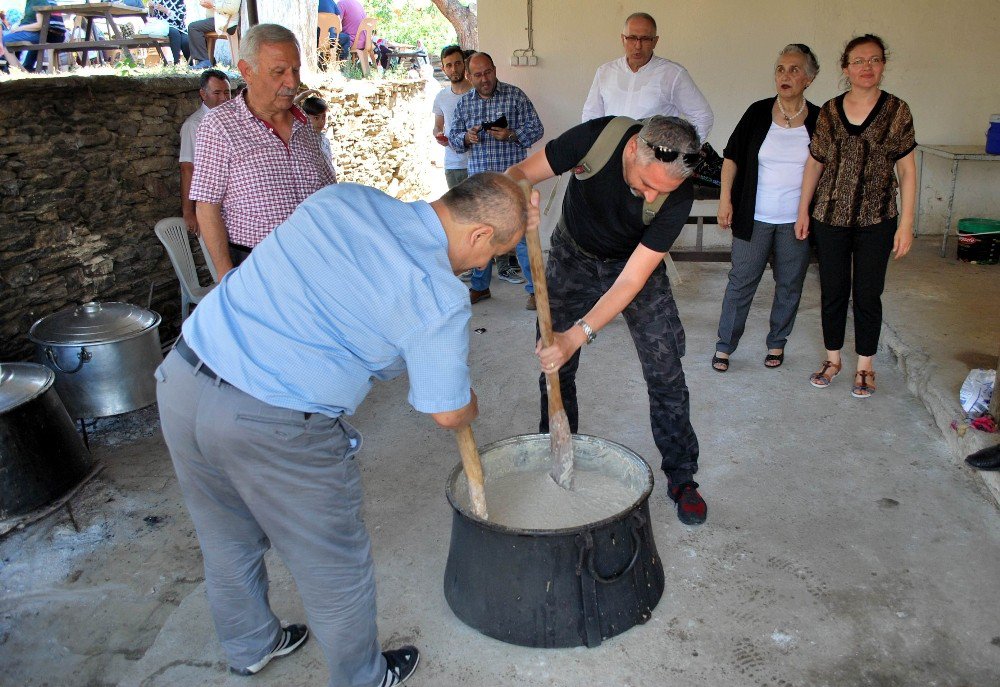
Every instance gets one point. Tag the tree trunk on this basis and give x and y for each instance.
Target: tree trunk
(299, 17)
(464, 20)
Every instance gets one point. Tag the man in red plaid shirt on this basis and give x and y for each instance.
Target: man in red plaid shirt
(256, 156)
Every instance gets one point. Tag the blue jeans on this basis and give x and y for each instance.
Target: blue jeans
(30, 56)
(481, 278)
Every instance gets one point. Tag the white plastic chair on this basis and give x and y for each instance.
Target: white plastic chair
(173, 234)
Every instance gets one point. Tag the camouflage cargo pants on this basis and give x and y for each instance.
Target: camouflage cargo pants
(576, 281)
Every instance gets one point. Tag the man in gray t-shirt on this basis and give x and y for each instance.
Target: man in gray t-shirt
(453, 65)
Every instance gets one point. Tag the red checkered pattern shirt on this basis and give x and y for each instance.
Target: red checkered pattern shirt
(241, 163)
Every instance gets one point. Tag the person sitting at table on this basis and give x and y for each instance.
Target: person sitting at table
(9, 58)
(342, 39)
(29, 31)
(175, 12)
(352, 13)
(226, 18)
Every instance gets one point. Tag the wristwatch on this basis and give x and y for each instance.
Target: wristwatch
(586, 330)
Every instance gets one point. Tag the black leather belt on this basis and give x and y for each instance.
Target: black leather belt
(186, 352)
(192, 358)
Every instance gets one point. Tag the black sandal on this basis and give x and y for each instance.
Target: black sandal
(716, 360)
(774, 357)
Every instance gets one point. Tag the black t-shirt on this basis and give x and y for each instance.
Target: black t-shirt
(601, 213)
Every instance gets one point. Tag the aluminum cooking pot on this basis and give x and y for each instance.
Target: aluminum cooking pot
(41, 454)
(103, 354)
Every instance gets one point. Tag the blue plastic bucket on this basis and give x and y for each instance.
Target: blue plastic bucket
(993, 136)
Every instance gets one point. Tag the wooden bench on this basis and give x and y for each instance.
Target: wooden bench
(84, 46)
(704, 211)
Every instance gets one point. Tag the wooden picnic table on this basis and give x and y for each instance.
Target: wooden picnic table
(109, 12)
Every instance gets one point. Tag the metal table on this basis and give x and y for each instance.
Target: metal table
(956, 154)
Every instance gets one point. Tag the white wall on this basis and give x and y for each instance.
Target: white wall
(944, 61)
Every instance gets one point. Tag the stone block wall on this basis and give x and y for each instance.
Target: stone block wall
(88, 165)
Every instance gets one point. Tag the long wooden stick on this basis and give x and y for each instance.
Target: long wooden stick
(473, 467)
(562, 440)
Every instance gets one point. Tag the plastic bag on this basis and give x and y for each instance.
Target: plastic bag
(977, 389)
(156, 28)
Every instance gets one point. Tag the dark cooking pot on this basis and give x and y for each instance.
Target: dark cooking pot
(103, 354)
(554, 588)
(41, 454)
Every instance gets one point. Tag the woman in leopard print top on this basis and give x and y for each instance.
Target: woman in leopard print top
(864, 140)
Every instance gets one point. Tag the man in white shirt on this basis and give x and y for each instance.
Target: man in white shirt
(453, 65)
(214, 91)
(640, 84)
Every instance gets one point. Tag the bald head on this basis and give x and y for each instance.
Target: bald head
(483, 74)
(493, 199)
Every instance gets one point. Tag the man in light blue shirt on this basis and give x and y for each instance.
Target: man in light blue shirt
(354, 286)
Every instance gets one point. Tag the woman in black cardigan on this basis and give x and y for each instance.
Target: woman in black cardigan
(761, 184)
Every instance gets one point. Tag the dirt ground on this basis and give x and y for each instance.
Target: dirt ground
(92, 601)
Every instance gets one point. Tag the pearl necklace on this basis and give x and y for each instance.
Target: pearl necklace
(788, 119)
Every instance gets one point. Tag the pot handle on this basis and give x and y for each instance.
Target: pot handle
(84, 355)
(587, 552)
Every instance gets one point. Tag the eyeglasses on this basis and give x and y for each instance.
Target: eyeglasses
(642, 40)
(664, 154)
(872, 61)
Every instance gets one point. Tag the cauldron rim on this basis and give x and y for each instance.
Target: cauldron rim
(560, 532)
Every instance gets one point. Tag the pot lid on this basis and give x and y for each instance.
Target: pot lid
(93, 323)
(21, 382)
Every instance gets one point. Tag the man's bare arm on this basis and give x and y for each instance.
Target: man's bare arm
(213, 230)
(187, 205)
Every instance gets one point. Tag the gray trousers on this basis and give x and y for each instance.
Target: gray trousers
(454, 177)
(791, 259)
(253, 474)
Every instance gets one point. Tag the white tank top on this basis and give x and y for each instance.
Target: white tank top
(781, 161)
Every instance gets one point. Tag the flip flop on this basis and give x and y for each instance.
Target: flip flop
(774, 357)
(716, 360)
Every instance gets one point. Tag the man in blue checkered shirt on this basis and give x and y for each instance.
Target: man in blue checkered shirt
(516, 128)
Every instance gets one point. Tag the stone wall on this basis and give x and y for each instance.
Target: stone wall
(88, 165)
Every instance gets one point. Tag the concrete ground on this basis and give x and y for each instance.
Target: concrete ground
(846, 544)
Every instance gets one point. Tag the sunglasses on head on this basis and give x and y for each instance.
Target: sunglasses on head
(664, 154)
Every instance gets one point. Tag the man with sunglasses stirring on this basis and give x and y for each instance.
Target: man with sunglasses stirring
(607, 258)
(641, 84)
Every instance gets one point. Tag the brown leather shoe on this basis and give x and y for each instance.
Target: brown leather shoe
(531, 305)
(476, 296)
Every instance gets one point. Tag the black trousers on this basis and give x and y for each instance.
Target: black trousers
(852, 265)
(178, 44)
(576, 282)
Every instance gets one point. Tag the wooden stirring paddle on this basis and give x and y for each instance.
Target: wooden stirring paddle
(473, 467)
(562, 440)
